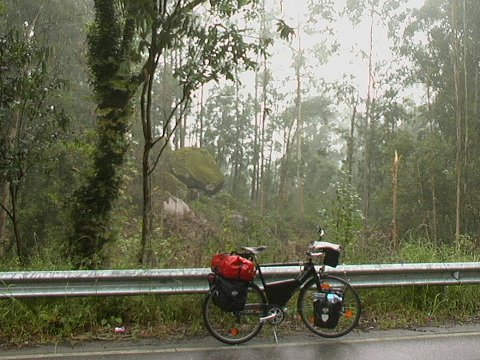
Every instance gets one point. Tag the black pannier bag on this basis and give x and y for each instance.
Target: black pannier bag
(229, 295)
(327, 309)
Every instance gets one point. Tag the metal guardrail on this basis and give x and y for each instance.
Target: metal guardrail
(190, 281)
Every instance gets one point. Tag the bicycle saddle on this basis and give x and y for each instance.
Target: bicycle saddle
(255, 250)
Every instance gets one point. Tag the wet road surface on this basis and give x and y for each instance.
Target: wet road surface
(452, 343)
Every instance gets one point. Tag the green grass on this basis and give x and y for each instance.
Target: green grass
(57, 320)
(53, 320)
(419, 306)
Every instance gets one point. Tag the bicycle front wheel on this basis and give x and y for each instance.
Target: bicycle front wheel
(239, 326)
(348, 313)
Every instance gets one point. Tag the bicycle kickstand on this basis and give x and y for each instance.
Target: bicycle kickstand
(270, 317)
(275, 333)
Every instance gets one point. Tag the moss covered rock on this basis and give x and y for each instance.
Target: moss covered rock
(197, 169)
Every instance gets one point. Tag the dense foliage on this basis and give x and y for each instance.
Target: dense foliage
(317, 152)
(100, 101)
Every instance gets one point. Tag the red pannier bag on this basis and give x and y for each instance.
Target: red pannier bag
(233, 266)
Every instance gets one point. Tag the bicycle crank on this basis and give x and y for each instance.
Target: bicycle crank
(275, 316)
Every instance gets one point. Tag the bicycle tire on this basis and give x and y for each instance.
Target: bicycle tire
(350, 311)
(235, 327)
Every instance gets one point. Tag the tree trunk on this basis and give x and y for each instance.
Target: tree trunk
(300, 180)
(147, 126)
(395, 238)
(432, 173)
(4, 200)
(434, 208)
(368, 111)
(16, 226)
(147, 206)
(110, 43)
(254, 185)
(5, 197)
(237, 155)
(459, 124)
(351, 142)
(13, 186)
(284, 174)
(145, 103)
(465, 134)
(201, 118)
(262, 190)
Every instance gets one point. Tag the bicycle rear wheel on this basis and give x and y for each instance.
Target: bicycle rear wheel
(239, 326)
(349, 312)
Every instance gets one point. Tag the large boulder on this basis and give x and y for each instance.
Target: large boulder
(197, 169)
(176, 206)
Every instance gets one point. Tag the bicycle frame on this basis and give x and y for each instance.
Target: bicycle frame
(327, 305)
(279, 292)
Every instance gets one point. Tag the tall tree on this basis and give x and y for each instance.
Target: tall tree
(299, 62)
(211, 49)
(29, 84)
(111, 56)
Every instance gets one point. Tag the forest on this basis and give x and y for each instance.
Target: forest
(156, 133)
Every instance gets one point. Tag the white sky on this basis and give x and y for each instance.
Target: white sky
(353, 40)
(347, 62)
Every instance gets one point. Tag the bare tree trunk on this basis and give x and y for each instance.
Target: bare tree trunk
(237, 157)
(282, 188)
(149, 142)
(395, 238)
(459, 125)
(351, 142)
(263, 193)
(201, 118)
(147, 205)
(145, 106)
(300, 179)
(367, 144)
(466, 103)
(432, 173)
(254, 185)
(434, 208)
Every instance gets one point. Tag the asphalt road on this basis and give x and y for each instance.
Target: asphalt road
(457, 343)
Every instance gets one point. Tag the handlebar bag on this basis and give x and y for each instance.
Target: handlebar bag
(232, 266)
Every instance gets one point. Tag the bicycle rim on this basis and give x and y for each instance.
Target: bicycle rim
(350, 309)
(235, 327)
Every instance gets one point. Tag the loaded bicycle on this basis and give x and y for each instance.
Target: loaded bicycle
(236, 308)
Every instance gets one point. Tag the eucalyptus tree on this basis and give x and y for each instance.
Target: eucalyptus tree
(312, 20)
(356, 10)
(442, 40)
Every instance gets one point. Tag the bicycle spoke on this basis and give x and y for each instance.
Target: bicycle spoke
(320, 323)
(235, 327)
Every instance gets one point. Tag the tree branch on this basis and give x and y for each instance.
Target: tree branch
(167, 135)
